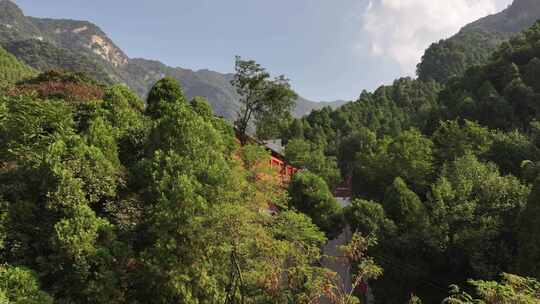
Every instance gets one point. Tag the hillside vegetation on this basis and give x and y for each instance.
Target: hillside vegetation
(475, 42)
(446, 177)
(104, 201)
(11, 70)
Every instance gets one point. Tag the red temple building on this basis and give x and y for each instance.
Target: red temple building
(277, 160)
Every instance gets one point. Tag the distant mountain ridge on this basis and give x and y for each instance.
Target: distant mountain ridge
(475, 42)
(44, 43)
(520, 15)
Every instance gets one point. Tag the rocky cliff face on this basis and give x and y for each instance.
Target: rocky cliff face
(82, 46)
(69, 34)
(83, 36)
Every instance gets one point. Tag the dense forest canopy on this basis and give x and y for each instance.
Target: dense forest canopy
(11, 70)
(445, 175)
(105, 200)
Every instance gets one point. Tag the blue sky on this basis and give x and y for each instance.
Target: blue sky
(330, 49)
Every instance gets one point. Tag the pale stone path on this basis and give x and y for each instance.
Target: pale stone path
(334, 262)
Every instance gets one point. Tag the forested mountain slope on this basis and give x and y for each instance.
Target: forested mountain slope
(446, 176)
(83, 47)
(475, 42)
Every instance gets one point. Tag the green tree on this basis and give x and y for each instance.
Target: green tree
(501, 93)
(263, 100)
(310, 195)
(11, 69)
(186, 177)
(64, 179)
(409, 156)
(361, 141)
(3, 220)
(510, 289)
(476, 210)
(166, 90)
(288, 224)
(19, 285)
(123, 110)
(529, 248)
(369, 218)
(404, 207)
(453, 140)
(202, 107)
(203, 219)
(303, 154)
(510, 150)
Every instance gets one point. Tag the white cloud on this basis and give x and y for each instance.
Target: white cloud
(403, 29)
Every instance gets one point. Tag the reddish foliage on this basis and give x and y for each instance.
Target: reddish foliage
(133, 264)
(69, 91)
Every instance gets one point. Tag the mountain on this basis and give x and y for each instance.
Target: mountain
(214, 86)
(73, 45)
(474, 43)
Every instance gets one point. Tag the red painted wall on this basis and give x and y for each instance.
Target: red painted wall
(285, 171)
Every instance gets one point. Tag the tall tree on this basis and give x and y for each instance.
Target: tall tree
(165, 90)
(310, 194)
(529, 237)
(20, 285)
(264, 100)
(302, 154)
(403, 206)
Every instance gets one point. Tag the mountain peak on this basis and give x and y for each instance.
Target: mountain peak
(475, 42)
(523, 8)
(527, 3)
(520, 15)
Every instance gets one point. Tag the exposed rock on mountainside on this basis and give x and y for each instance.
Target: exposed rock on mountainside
(83, 36)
